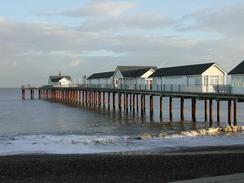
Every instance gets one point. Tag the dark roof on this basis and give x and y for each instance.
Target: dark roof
(182, 70)
(57, 78)
(101, 75)
(238, 69)
(129, 68)
(135, 73)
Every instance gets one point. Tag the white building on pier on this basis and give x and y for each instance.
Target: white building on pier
(60, 80)
(133, 77)
(207, 77)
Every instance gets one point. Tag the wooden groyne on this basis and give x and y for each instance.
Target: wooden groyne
(135, 100)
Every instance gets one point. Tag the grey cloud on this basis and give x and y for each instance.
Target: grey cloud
(139, 21)
(227, 21)
(32, 51)
(96, 8)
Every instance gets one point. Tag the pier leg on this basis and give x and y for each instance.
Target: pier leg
(39, 94)
(83, 97)
(182, 100)
(151, 106)
(99, 99)
(218, 112)
(126, 103)
(119, 102)
(104, 100)
(170, 109)
(235, 112)
(193, 109)
(130, 102)
(32, 94)
(142, 105)
(229, 112)
(210, 112)
(206, 109)
(23, 94)
(161, 107)
(133, 103)
(137, 103)
(108, 100)
(114, 105)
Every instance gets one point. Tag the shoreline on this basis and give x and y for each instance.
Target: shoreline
(133, 167)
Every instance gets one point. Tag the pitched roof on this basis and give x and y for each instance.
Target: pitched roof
(129, 68)
(182, 70)
(58, 78)
(239, 69)
(101, 75)
(135, 73)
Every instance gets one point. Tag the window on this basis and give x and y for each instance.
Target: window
(214, 80)
(205, 80)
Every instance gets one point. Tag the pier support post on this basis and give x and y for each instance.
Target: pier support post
(170, 109)
(133, 104)
(229, 112)
(83, 97)
(210, 112)
(235, 112)
(119, 102)
(142, 105)
(32, 94)
(114, 105)
(104, 100)
(130, 102)
(206, 109)
(218, 111)
(193, 109)
(161, 107)
(182, 100)
(151, 106)
(39, 94)
(126, 103)
(108, 100)
(99, 99)
(137, 103)
(23, 94)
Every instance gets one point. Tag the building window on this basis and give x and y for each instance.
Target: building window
(214, 80)
(206, 80)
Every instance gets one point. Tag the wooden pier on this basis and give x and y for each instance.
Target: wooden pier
(101, 97)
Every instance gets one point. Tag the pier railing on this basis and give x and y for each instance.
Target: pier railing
(179, 88)
(224, 89)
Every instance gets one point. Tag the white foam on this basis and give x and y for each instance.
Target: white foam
(78, 144)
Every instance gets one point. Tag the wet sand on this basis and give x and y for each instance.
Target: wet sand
(155, 166)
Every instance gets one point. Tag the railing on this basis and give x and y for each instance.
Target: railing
(224, 89)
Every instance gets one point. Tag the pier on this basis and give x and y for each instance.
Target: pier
(104, 97)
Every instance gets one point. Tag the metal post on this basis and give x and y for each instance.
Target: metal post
(210, 112)
(170, 109)
(182, 108)
(229, 112)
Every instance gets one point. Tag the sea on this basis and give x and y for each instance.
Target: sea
(45, 127)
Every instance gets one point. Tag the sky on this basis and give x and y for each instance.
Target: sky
(80, 37)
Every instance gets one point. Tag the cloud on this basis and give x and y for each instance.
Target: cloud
(96, 8)
(30, 52)
(226, 21)
(135, 21)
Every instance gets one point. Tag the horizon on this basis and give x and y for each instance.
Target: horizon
(39, 39)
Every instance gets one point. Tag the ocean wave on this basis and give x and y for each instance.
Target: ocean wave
(226, 130)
